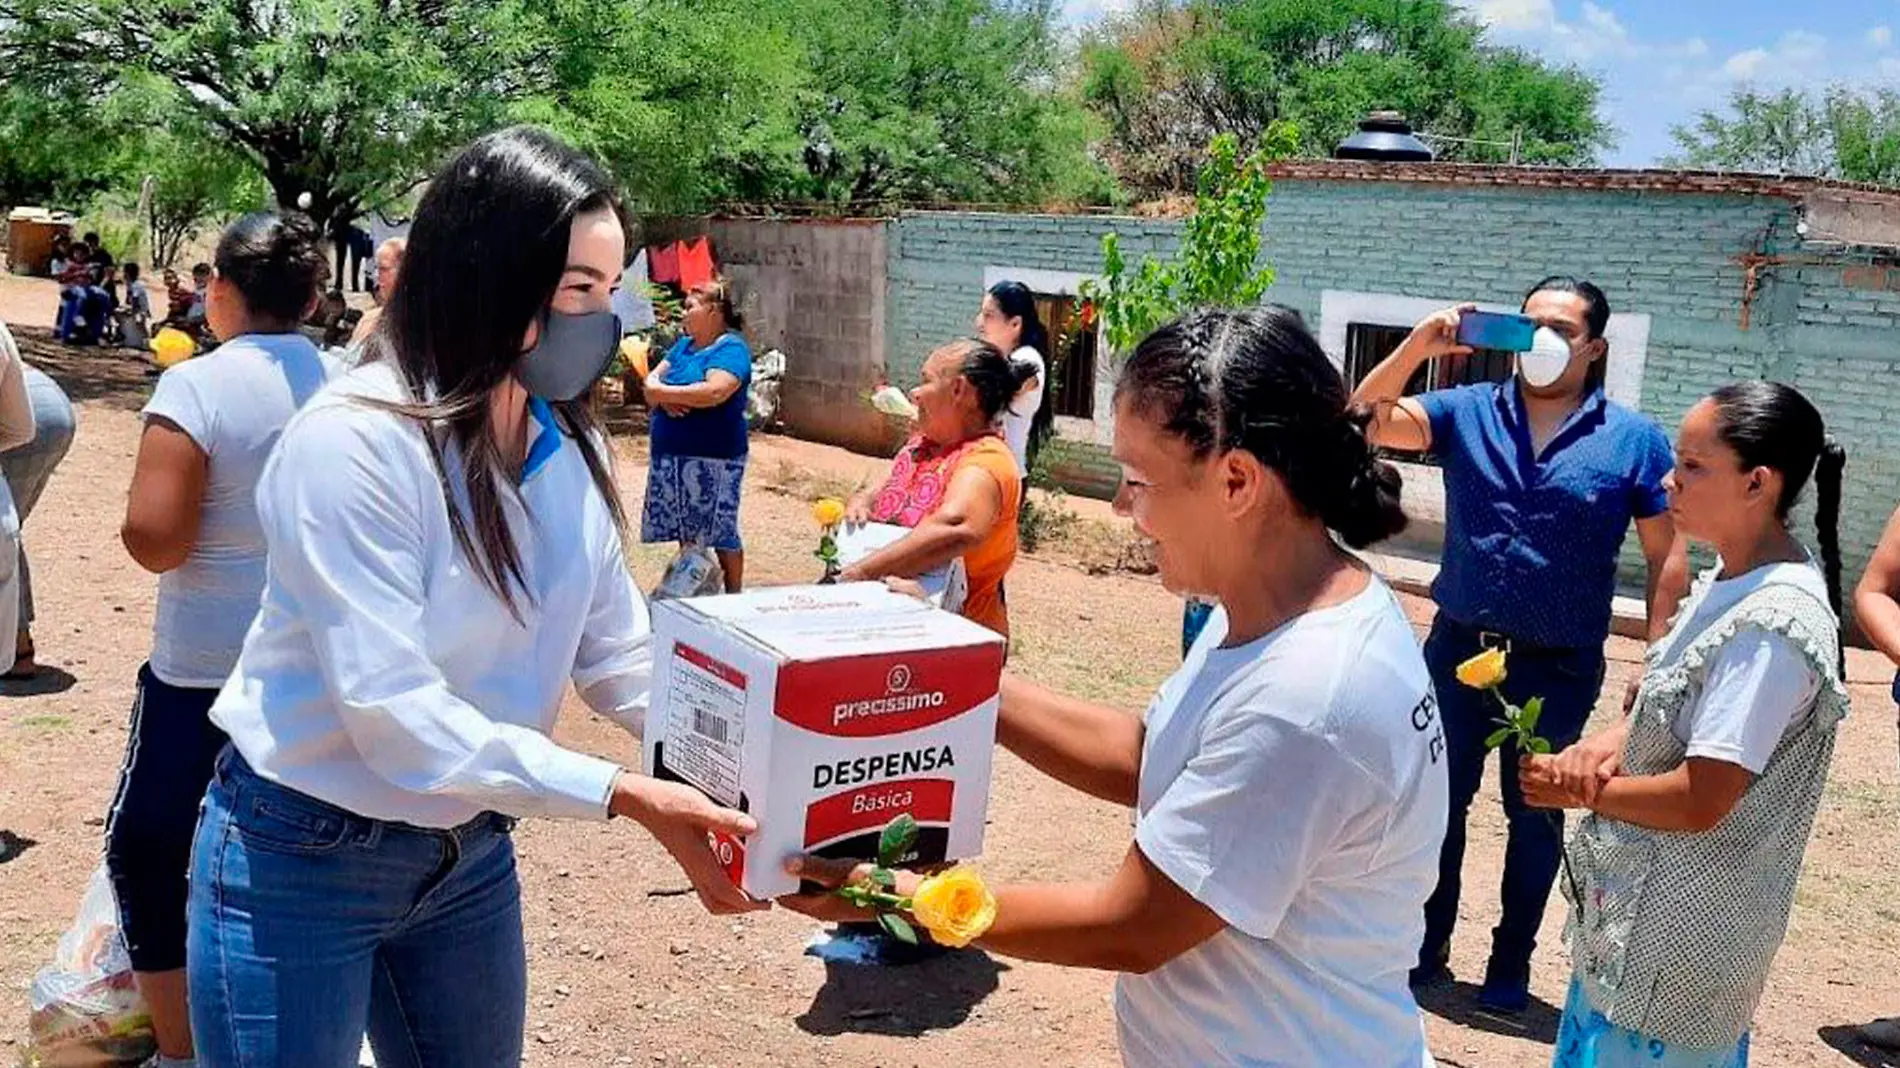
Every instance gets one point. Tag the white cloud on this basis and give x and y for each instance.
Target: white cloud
(1522, 16)
(1880, 37)
(1746, 66)
(1089, 12)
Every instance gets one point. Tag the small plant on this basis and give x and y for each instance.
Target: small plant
(1044, 522)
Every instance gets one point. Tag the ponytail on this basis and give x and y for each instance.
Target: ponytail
(1827, 516)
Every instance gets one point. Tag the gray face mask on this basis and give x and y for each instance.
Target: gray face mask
(572, 351)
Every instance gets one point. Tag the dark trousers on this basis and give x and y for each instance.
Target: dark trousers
(1569, 681)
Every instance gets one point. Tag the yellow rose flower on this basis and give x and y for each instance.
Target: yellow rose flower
(829, 512)
(1484, 671)
(955, 907)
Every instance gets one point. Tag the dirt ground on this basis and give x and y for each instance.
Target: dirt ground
(626, 970)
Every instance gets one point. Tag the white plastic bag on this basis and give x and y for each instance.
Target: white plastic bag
(761, 402)
(85, 1011)
(693, 572)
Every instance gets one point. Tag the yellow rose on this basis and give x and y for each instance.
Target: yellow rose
(829, 512)
(1484, 671)
(955, 907)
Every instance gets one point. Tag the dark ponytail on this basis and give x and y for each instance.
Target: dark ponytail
(275, 262)
(1771, 425)
(1256, 380)
(995, 376)
(1015, 301)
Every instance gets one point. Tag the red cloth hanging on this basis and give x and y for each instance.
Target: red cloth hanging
(663, 263)
(696, 263)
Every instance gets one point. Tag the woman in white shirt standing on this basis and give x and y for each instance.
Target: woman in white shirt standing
(445, 559)
(1701, 801)
(191, 518)
(1008, 320)
(1288, 782)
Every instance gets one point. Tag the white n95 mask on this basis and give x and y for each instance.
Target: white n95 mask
(1546, 361)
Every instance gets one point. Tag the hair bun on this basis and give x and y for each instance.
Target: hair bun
(1367, 507)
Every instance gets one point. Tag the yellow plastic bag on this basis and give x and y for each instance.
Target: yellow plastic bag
(172, 346)
(636, 351)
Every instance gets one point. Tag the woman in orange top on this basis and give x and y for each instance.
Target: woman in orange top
(954, 483)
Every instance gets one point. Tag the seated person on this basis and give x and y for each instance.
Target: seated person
(134, 317)
(84, 304)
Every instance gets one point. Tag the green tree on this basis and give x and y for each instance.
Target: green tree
(1172, 74)
(1840, 133)
(346, 100)
(1218, 263)
(56, 151)
(194, 183)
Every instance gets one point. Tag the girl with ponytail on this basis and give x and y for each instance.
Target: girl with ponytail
(1289, 782)
(1702, 800)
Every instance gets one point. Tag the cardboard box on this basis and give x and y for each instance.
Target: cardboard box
(826, 711)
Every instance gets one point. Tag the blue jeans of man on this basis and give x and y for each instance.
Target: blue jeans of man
(309, 924)
(1569, 681)
(83, 313)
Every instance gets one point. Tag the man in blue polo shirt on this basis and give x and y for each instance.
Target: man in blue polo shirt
(1541, 483)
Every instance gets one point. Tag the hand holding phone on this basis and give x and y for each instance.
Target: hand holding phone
(1500, 331)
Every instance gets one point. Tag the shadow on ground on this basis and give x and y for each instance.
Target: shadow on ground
(48, 680)
(12, 845)
(1847, 1043)
(1457, 1003)
(933, 994)
(118, 377)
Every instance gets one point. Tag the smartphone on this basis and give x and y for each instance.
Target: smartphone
(1500, 331)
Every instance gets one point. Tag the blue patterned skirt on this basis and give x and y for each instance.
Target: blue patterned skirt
(1587, 1039)
(693, 500)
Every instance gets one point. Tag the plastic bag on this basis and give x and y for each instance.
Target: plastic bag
(892, 401)
(85, 1011)
(762, 396)
(693, 572)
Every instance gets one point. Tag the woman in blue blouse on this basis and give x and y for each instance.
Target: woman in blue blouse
(697, 398)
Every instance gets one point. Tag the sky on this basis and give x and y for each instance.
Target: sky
(1663, 61)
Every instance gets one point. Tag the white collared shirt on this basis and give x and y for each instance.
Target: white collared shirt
(381, 675)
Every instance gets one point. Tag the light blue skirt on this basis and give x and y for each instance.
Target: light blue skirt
(1587, 1039)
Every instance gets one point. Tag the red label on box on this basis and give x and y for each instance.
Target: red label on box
(707, 664)
(873, 696)
(730, 852)
(869, 808)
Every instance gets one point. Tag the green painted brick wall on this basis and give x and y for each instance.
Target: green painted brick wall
(1672, 256)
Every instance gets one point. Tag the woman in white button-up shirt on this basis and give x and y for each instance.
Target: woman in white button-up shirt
(445, 558)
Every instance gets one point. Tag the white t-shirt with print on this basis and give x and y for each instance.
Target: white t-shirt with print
(1296, 786)
(1022, 411)
(233, 402)
(1756, 685)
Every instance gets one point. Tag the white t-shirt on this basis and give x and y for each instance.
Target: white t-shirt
(382, 675)
(233, 402)
(1756, 685)
(1296, 786)
(1022, 411)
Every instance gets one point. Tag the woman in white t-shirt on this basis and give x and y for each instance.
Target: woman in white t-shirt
(1289, 781)
(191, 518)
(1701, 801)
(1008, 320)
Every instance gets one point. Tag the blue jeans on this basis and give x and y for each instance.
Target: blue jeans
(28, 467)
(1569, 681)
(83, 311)
(309, 924)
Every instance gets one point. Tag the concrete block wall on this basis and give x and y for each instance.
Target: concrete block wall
(815, 289)
(1831, 328)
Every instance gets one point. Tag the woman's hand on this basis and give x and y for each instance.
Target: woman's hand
(908, 588)
(1545, 787)
(827, 906)
(680, 818)
(1595, 760)
(857, 511)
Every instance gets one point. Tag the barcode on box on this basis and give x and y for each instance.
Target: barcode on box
(707, 725)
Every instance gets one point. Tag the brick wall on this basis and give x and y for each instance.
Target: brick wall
(1828, 323)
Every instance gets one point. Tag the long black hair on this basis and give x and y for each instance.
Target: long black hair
(1015, 301)
(1256, 380)
(275, 263)
(486, 253)
(1771, 425)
